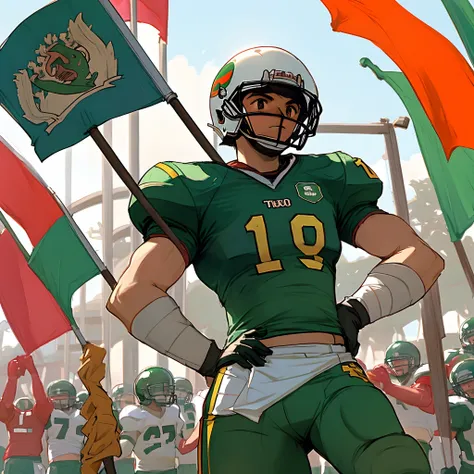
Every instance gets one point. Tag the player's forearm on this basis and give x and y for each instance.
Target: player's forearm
(185, 446)
(417, 397)
(9, 393)
(126, 444)
(38, 389)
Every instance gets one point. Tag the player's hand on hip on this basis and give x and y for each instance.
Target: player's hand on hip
(352, 318)
(248, 351)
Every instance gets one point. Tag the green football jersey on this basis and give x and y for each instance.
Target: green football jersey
(268, 249)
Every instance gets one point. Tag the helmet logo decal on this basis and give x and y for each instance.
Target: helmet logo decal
(278, 75)
(222, 79)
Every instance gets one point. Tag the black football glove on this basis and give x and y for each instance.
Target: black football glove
(247, 352)
(449, 470)
(352, 317)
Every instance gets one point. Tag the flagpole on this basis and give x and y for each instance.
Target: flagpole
(130, 356)
(465, 264)
(430, 304)
(67, 203)
(107, 249)
(161, 359)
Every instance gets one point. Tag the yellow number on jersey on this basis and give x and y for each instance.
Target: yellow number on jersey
(368, 170)
(256, 224)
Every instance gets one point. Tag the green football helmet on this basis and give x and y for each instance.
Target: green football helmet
(466, 332)
(119, 396)
(184, 390)
(155, 384)
(403, 351)
(63, 394)
(462, 373)
(81, 398)
(24, 404)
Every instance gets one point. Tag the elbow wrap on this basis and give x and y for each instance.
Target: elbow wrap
(388, 289)
(162, 326)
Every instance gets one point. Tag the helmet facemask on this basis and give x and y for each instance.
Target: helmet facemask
(304, 125)
(63, 401)
(183, 397)
(464, 386)
(467, 341)
(161, 393)
(401, 367)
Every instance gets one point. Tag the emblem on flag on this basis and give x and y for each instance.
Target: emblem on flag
(310, 192)
(68, 68)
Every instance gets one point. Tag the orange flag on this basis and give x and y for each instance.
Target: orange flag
(438, 73)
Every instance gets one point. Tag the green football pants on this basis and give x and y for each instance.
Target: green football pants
(21, 465)
(338, 413)
(169, 471)
(123, 466)
(65, 467)
(466, 468)
(187, 469)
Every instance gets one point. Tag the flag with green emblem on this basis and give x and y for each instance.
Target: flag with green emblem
(72, 66)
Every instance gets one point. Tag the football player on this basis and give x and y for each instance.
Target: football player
(264, 232)
(25, 420)
(122, 396)
(64, 429)
(184, 396)
(466, 337)
(153, 430)
(401, 365)
(462, 414)
(81, 398)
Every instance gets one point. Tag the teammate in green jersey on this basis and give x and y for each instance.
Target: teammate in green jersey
(462, 414)
(466, 337)
(264, 233)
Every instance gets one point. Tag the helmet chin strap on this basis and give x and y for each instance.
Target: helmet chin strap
(265, 146)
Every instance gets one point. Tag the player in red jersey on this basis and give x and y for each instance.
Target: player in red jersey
(25, 428)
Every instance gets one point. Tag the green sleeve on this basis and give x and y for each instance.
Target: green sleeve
(361, 190)
(165, 187)
(461, 417)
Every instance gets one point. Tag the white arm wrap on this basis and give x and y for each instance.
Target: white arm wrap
(127, 448)
(163, 327)
(388, 289)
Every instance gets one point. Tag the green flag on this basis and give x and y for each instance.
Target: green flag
(71, 66)
(453, 180)
(462, 15)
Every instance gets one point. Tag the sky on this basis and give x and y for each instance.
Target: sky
(203, 35)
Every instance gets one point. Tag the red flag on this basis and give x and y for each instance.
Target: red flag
(31, 310)
(23, 197)
(438, 73)
(152, 12)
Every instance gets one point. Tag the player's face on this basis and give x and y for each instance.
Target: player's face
(61, 402)
(126, 400)
(280, 107)
(468, 388)
(182, 396)
(400, 367)
(470, 340)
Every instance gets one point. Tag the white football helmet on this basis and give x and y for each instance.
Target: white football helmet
(259, 68)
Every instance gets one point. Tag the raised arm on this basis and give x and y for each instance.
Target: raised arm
(15, 371)
(43, 405)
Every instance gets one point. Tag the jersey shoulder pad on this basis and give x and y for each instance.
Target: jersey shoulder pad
(450, 354)
(173, 411)
(130, 417)
(193, 175)
(423, 371)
